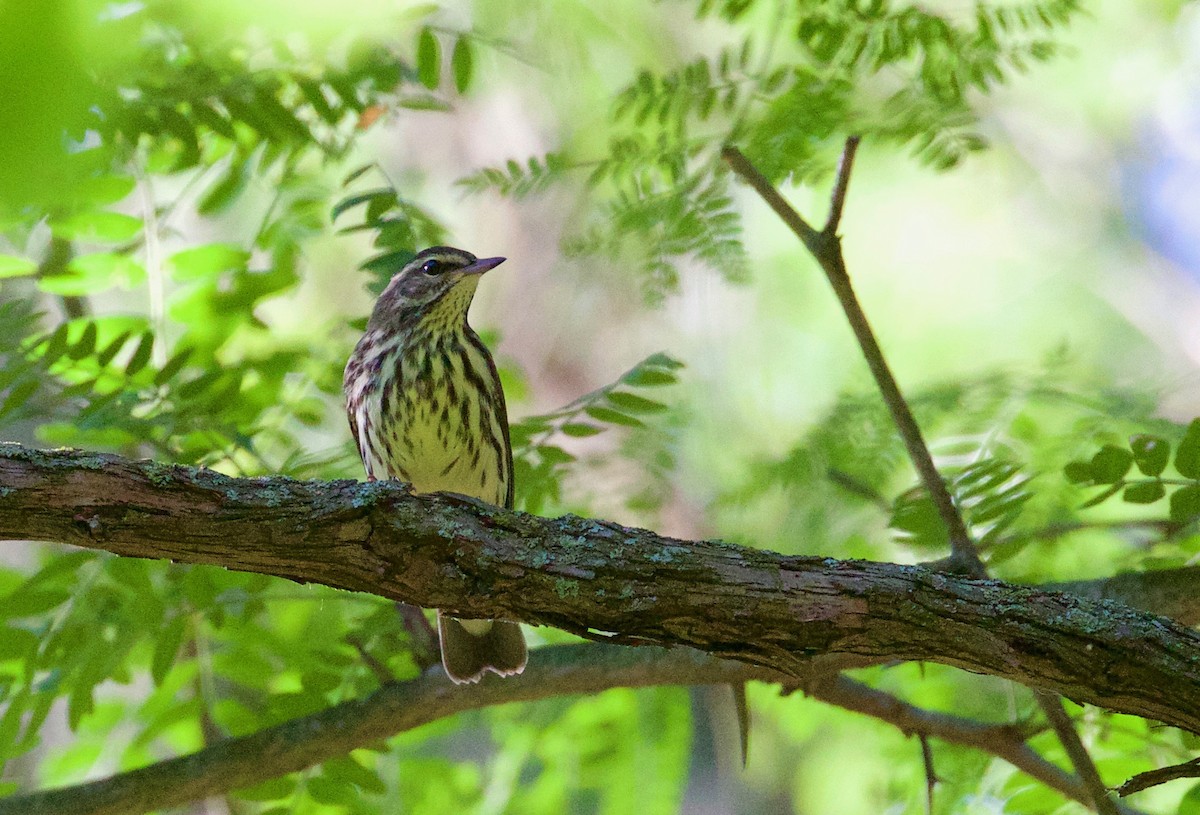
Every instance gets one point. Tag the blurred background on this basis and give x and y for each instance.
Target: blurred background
(1035, 300)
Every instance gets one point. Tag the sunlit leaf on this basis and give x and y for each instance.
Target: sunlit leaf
(1150, 453)
(1187, 457)
(462, 62)
(429, 60)
(12, 266)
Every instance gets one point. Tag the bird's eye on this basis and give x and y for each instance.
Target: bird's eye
(431, 267)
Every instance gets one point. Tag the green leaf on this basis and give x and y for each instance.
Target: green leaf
(915, 515)
(649, 377)
(227, 186)
(56, 346)
(326, 790)
(103, 190)
(142, 355)
(1079, 472)
(1146, 492)
(1110, 464)
(165, 649)
(13, 266)
(100, 226)
(32, 602)
(580, 429)
(554, 455)
(18, 396)
(1190, 804)
(1185, 503)
(113, 348)
(86, 343)
(608, 416)
(355, 174)
(462, 63)
(429, 60)
(347, 768)
(1187, 457)
(17, 643)
(635, 404)
(386, 194)
(207, 261)
(94, 273)
(172, 367)
(1150, 453)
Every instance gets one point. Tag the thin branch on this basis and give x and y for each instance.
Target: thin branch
(1052, 706)
(838, 198)
(1004, 741)
(1152, 778)
(826, 248)
(931, 778)
(856, 486)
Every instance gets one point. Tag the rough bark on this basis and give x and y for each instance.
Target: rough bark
(589, 576)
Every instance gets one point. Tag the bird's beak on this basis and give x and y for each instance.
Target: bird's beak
(480, 266)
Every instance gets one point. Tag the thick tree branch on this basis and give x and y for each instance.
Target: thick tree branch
(785, 613)
(1173, 593)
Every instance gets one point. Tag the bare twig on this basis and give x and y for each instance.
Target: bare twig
(382, 674)
(1005, 741)
(825, 246)
(857, 487)
(1051, 705)
(1152, 778)
(931, 778)
(422, 636)
(838, 199)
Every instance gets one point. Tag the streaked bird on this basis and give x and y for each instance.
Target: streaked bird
(426, 407)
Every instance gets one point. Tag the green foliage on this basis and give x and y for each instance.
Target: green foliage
(1110, 467)
(401, 228)
(538, 459)
(148, 305)
(989, 493)
(791, 86)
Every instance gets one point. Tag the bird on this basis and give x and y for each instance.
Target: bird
(426, 406)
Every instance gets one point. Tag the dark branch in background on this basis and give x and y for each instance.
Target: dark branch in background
(931, 778)
(558, 670)
(826, 247)
(396, 707)
(790, 614)
(1068, 736)
(1173, 593)
(1004, 741)
(1152, 778)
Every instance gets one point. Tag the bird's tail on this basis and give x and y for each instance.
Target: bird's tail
(471, 648)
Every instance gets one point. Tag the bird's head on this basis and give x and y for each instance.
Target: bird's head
(437, 285)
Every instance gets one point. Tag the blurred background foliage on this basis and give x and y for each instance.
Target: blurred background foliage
(188, 191)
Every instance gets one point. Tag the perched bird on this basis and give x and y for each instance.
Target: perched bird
(426, 407)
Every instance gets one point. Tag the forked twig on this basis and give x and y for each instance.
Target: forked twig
(825, 246)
